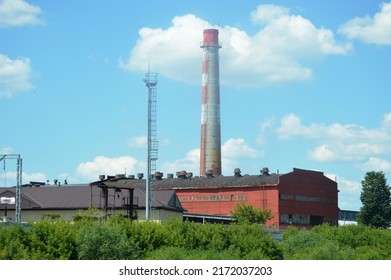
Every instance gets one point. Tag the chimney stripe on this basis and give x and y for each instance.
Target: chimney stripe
(210, 150)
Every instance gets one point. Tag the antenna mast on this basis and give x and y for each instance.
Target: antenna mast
(151, 83)
(18, 192)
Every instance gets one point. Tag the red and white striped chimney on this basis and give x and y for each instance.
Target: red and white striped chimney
(210, 156)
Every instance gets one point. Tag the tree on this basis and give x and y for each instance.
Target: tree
(376, 200)
(247, 214)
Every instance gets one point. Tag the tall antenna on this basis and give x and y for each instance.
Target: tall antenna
(151, 83)
(18, 192)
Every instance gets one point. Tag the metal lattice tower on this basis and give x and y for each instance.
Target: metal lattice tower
(18, 192)
(153, 145)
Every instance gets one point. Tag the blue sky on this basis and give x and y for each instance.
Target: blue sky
(304, 84)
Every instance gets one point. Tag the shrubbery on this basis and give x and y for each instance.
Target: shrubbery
(120, 238)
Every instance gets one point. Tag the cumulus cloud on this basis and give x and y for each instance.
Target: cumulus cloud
(377, 164)
(239, 149)
(138, 142)
(349, 192)
(339, 142)
(232, 151)
(323, 153)
(6, 150)
(8, 179)
(174, 52)
(275, 54)
(14, 76)
(190, 163)
(107, 166)
(19, 13)
(372, 30)
(268, 12)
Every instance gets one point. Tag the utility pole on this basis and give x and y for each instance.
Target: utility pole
(18, 191)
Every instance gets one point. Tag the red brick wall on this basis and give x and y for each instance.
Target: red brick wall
(201, 201)
(309, 193)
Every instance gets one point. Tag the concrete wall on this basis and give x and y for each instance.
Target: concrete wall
(36, 215)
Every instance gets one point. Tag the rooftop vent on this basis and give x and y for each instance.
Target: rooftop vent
(265, 171)
(119, 176)
(170, 175)
(131, 177)
(237, 172)
(140, 175)
(189, 175)
(209, 173)
(182, 174)
(158, 175)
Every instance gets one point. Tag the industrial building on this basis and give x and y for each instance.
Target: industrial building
(302, 198)
(39, 199)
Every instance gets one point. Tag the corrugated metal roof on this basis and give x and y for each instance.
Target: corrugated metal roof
(80, 197)
(196, 182)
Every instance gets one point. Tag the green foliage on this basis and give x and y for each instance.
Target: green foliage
(247, 214)
(52, 240)
(324, 242)
(51, 217)
(376, 199)
(13, 243)
(100, 241)
(250, 238)
(121, 238)
(308, 245)
(91, 214)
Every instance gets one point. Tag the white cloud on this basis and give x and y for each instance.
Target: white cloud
(6, 151)
(14, 76)
(373, 30)
(345, 185)
(8, 178)
(102, 165)
(232, 151)
(190, 163)
(264, 125)
(268, 12)
(239, 149)
(377, 164)
(386, 124)
(274, 55)
(138, 142)
(349, 192)
(339, 142)
(323, 153)
(174, 52)
(19, 13)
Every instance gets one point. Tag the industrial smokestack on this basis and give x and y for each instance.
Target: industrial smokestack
(210, 156)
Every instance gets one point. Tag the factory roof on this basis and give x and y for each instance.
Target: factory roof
(80, 197)
(188, 182)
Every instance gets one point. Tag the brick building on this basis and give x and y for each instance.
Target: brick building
(302, 198)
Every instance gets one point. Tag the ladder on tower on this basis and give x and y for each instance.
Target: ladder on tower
(151, 82)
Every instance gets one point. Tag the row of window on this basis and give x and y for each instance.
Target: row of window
(295, 219)
(237, 197)
(305, 198)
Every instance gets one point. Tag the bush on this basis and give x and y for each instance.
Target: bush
(100, 241)
(13, 243)
(52, 240)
